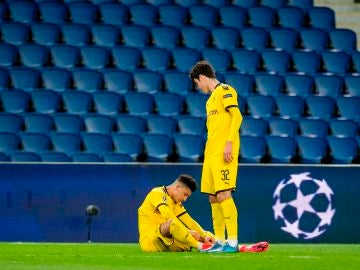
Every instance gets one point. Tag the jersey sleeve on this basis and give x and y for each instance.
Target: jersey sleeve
(229, 96)
(157, 198)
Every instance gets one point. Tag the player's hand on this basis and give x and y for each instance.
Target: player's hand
(228, 157)
(196, 235)
(209, 238)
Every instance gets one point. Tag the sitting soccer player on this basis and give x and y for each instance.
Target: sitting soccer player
(164, 224)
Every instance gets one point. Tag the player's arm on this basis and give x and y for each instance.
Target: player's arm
(190, 223)
(168, 214)
(236, 120)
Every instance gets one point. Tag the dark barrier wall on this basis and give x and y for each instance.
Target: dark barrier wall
(46, 202)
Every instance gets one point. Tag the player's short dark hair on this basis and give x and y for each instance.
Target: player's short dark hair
(188, 181)
(202, 68)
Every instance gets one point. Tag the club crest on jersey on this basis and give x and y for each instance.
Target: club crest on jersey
(225, 87)
(164, 198)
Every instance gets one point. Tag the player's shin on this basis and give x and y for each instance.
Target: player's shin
(218, 222)
(230, 216)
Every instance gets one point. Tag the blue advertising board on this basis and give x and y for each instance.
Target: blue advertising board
(276, 203)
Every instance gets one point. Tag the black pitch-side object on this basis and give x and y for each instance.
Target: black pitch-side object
(91, 210)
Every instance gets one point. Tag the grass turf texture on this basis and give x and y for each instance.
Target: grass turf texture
(51, 256)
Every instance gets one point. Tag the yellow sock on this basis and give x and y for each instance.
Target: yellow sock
(218, 221)
(182, 235)
(230, 216)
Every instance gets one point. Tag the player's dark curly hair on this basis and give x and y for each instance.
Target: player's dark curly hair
(188, 181)
(202, 68)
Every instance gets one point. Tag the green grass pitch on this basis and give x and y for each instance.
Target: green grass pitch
(51, 256)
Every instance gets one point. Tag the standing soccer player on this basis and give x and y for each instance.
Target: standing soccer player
(221, 153)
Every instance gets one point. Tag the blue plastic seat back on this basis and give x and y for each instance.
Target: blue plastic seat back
(118, 81)
(87, 80)
(291, 17)
(253, 149)
(290, 106)
(195, 37)
(139, 103)
(15, 33)
(11, 122)
(105, 35)
(99, 124)
(15, 101)
(38, 123)
(165, 36)
(158, 147)
(169, 104)
(108, 103)
(262, 16)
(56, 79)
(192, 125)
(283, 127)
(313, 128)
(35, 142)
(127, 123)
(53, 12)
(68, 123)
(312, 150)
(68, 143)
(114, 13)
(131, 144)
(254, 127)
(190, 148)
(174, 15)
(97, 143)
(143, 14)
(26, 79)
(160, 124)
(46, 34)
(281, 149)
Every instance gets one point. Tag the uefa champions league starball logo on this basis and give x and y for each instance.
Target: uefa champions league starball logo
(303, 206)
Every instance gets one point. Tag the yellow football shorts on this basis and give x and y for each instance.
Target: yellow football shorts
(218, 175)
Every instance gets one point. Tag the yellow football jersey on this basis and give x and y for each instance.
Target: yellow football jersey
(219, 120)
(149, 216)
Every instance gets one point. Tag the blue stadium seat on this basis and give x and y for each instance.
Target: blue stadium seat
(343, 39)
(253, 149)
(55, 157)
(38, 123)
(262, 16)
(68, 123)
(196, 104)
(291, 17)
(4, 157)
(56, 79)
(139, 103)
(269, 84)
(114, 13)
(217, 3)
(281, 149)
(355, 57)
(307, 62)
(127, 123)
(261, 106)
(4, 79)
(65, 56)
(126, 58)
(136, 35)
(165, 36)
(26, 79)
(46, 34)
(75, 34)
(283, 127)
(95, 57)
(15, 33)
(245, 3)
(131, 144)
(148, 81)
(174, 15)
(337, 62)
(275, 4)
(156, 59)
(11, 122)
(97, 123)
(190, 148)
(343, 128)
(290, 106)
(203, 15)
(161, 124)
(254, 127)
(87, 80)
(86, 157)
(220, 59)
(195, 37)
(33, 55)
(303, 4)
(233, 16)
(97, 143)
(46, 101)
(246, 61)
(83, 12)
(255, 38)
(118, 81)
(158, 147)
(24, 157)
(4, 12)
(276, 61)
(108, 103)
(284, 39)
(312, 150)
(53, 12)
(243, 83)
(15, 101)
(23, 11)
(299, 85)
(321, 107)
(329, 85)
(68, 143)
(9, 142)
(192, 125)
(143, 14)
(105, 35)
(322, 17)
(185, 58)
(35, 142)
(313, 127)
(349, 107)
(169, 104)
(177, 82)
(77, 102)
(343, 150)
(8, 55)
(225, 38)
(352, 85)
(314, 39)
(117, 157)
